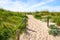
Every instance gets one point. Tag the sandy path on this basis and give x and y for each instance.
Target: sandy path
(38, 30)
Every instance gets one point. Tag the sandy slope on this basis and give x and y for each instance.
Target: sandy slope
(37, 30)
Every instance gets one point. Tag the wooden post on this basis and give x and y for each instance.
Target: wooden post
(17, 35)
(47, 21)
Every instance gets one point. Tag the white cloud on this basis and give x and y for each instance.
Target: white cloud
(29, 6)
(36, 6)
(51, 8)
(2, 2)
(14, 6)
(40, 4)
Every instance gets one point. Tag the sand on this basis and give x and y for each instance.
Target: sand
(37, 30)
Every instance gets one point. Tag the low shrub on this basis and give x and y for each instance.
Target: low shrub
(53, 32)
(38, 16)
(52, 27)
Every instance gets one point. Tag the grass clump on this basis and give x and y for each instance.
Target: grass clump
(56, 19)
(54, 30)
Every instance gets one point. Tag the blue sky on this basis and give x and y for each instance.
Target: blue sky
(30, 5)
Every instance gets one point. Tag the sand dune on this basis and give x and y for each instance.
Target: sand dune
(37, 30)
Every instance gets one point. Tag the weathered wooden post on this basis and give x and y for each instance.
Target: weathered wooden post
(17, 34)
(48, 21)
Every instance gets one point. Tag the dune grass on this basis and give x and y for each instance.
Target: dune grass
(10, 22)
